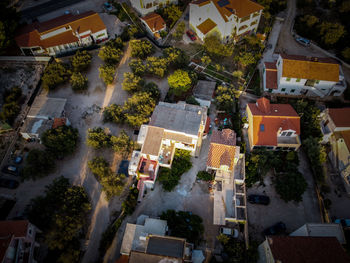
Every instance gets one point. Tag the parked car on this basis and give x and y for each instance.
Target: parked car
(191, 35)
(303, 41)
(343, 222)
(18, 159)
(229, 231)
(259, 199)
(277, 229)
(8, 183)
(108, 6)
(10, 169)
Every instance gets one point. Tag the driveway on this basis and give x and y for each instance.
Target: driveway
(292, 214)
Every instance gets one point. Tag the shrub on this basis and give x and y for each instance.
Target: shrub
(179, 82)
(225, 98)
(81, 61)
(153, 90)
(78, 81)
(214, 46)
(110, 54)
(192, 100)
(38, 164)
(113, 113)
(179, 31)
(205, 176)
(132, 82)
(97, 138)
(107, 73)
(176, 57)
(157, 66)
(54, 75)
(290, 186)
(137, 67)
(122, 143)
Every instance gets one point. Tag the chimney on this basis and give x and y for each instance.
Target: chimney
(263, 104)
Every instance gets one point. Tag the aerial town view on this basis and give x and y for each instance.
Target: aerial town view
(171, 131)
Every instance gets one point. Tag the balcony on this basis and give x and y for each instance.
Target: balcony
(287, 140)
(166, 154)
(147, 169)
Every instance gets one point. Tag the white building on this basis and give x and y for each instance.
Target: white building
(227, 18)
(301, 75)
(147, 6)
(61, 34)
(172, 126)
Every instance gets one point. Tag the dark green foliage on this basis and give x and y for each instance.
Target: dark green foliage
(61, 213)
(132, 82)
(78, 81)
(157, 66)
(137, 66)
(113, 113)
(11, 107)
(234, 249)
(225, 98)
(130, 203)
(110, 54)
(122, 144)
(141, 48)
(98, 138)
(205, 176)
(184, 224)
(192, 100)
(317, 156)
(273, 6)
(171, 13)
(152, 89)
(214, 46)
(111, 183)
(176, 57)
(181, 164)
(8, 24)
(81, 61)
(61, 141)
(107, 73)
(54, 75)
(290, 186)
(38, 164)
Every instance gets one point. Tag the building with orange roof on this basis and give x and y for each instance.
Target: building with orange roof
(301, 75)
(154, 24)
(144, 7)
(335, 127)
(229, 19)
(17, 241)
(228, 166)
(61, 34)
(273, 126)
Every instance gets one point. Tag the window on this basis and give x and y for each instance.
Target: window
(283, 133)
(287, 79)
(289, 133)
(279, 62)
(284, 89)
(292, 90)
(298, 80)
(270, 90)
(262, 127)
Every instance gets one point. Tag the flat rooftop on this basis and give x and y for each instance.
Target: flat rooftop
(180, 117)
(45, 107)
(36, 126)
(166, 246)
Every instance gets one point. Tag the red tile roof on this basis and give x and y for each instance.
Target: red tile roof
(57, 122)
(226, 137)
(307, 249)
(29, 36)
(340, 117)
(272, 117)
(154, 21)
(16, 227)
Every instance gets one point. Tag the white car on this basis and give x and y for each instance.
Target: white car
(229, 231)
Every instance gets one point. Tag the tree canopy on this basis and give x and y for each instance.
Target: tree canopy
(8, 24)
(78, 81)
(290, 186)
(98, 138)
(38, 164)
(141, 48)
(110, 54)
(122, 143)
(225, 98)
(132, 82)
(54, 75)
(171, 13)
(11, 107)
(81, 61)
(179, 82)
(214, 46)
(107, 73)
(61, 141)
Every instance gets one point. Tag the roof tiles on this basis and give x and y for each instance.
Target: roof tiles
(340, 116)
(154, 21)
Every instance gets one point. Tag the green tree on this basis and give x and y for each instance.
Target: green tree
(192, 100)
(310, 20)
(157, 66)
(225, 98)
(9, 112)
(61, 141)
(98, 138)
(81, 61)
(130, 203)
(205, 176)
(346, 53)
(179, 82)
(176, 57)
(38, 164)
(172, 13)
(212, 44)
(122, 143)
(110, 54)
(184, 224)
(179, 31)
(137, 66)
(141, 48)
(54, 75)
(107, 73)
(153, 90)
(138, 109)
(206, 60)
(78, 81)
(317, 156)
(245, 58)
(331, 32)
(113, 113)
(8, 24)
(132, 82)
(290, 186)
(237, 74)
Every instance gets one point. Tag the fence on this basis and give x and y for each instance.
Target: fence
(25, 58)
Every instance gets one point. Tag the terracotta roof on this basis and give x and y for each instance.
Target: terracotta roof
(271, 79)
(206, 26)
(310, 68)
(346, 136)
(154, 21)
(271, 117)
(15, 227)
(307, 249)
(340, 116)
(226, 137)
(58, 122)
(153, 141)
(29, 36)
(270, 65)
(4, 244)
